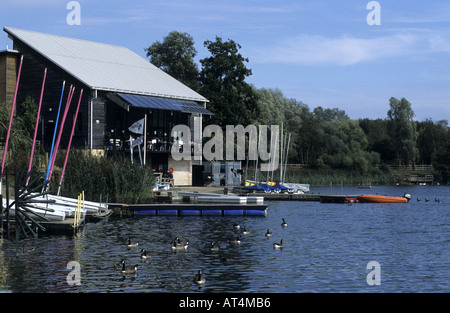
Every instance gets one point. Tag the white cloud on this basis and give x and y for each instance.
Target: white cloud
(348, 50)
(345, 50)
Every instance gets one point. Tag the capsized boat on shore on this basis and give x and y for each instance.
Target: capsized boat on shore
(383, 199)
(40, 213)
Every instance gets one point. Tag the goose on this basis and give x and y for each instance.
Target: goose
(178, 241)
(180, 246)
(213, 247)
(236, 226)
(235, 241)
(132, 244)
(284, 224)
(130, 269)
(144, 254)
(268, 233)
(246, 231)
(278, 245)
(199, 279)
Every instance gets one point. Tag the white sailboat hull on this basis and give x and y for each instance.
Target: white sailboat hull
(55, 215)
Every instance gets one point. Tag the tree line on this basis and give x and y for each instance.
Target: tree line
(321, 138)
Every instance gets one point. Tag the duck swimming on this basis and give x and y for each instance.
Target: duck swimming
(278, 245)
(177, 245)
(236, 240)
(199, 279)
(130, 269)
(144, 254)
(132, 244)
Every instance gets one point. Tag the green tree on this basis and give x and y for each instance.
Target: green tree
(175, 55)
(430, 137)
(21, 135)
(222, 80)
(442, 159)
(403, 130)
(379, 138)
(275, 109)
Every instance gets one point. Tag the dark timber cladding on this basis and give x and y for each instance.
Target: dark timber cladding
(30, 85)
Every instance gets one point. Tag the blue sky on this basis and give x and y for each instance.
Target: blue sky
(322, 53)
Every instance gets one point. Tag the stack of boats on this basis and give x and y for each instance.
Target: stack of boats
(272, 187)
(60, 208)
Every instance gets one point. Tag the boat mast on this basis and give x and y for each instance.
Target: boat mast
(70, 143)
(54, 134)
(36, 126)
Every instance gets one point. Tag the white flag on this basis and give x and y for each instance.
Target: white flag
(137, 127)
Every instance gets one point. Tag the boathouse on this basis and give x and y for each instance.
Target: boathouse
(119, 88)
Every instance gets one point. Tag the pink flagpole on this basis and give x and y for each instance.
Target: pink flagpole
(37, 125)
(11, 116)
(69, 100)
(70, 143)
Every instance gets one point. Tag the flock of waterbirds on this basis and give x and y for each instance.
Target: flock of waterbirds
(182, 245)
(428, 200)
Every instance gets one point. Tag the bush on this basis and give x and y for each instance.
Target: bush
(114, 176)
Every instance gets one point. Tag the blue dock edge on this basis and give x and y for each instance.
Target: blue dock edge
(196, 209)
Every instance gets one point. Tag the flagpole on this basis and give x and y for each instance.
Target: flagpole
(131, 149)
(37, 125)
(70, 143)
(54, 134)
(10, 123)
(287, 152)
(58, 140)
(145, 138)
(140, 156)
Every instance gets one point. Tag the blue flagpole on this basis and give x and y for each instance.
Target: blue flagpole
(54, 134)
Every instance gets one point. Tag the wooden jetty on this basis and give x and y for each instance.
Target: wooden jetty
(304, 197)
(67, 226)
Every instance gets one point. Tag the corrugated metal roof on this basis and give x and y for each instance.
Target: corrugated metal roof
(105, 67)
(148, 102)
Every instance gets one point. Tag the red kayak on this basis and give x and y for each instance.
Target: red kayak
(383, 199)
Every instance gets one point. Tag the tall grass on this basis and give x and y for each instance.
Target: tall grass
(325, 177)
(114, 176)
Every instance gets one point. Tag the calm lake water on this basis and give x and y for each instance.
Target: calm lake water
(326, 249)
